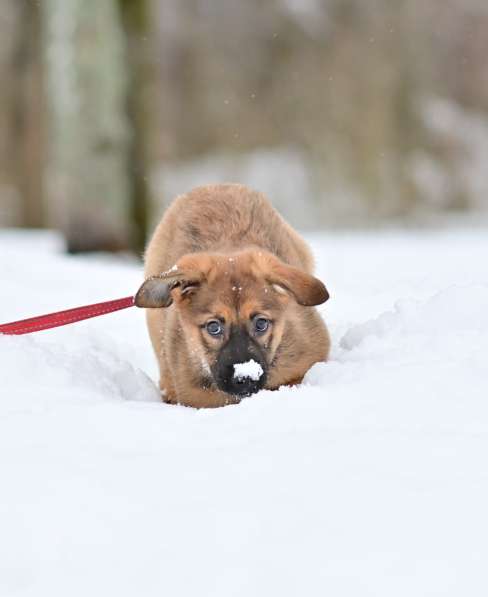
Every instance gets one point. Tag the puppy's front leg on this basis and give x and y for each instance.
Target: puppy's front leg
(198, 397)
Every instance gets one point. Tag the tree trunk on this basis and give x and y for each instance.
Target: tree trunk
(20, 115)
(87, 181)
(26, 138)
(135, 17)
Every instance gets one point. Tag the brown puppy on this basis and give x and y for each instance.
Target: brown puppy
(230, 294)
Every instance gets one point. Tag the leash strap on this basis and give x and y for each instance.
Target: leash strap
(54, 320)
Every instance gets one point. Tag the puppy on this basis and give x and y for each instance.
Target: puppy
(230, 297)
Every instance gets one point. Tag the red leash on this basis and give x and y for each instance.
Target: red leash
(54, 320)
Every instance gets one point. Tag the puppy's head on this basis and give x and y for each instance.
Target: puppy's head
(233, 310)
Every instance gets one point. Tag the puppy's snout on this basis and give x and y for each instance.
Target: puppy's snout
(240, 369)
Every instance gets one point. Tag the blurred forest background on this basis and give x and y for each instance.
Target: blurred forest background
(346, 112)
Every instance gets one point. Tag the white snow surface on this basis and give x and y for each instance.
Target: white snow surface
(369, 479)
(250, 370)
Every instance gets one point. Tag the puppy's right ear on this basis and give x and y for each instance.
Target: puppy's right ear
(154, 293)
(188, 273)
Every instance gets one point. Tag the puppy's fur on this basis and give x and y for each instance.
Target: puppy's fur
(222, 254)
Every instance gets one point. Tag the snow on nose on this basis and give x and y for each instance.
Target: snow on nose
(249, 370)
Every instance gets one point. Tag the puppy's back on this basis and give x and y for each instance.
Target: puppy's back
(223, 218)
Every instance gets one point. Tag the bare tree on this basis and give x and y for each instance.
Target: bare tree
(87, 179)
(136, 17)
(20, 115)
(27, 115)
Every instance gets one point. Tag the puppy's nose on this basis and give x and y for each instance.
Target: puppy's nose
(246, 378)
(245, 386)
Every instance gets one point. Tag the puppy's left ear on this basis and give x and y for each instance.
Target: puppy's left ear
(305, 288)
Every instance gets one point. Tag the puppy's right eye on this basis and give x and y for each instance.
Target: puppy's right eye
(215, 328)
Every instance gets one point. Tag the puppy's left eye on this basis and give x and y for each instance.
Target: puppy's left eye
(261, 325)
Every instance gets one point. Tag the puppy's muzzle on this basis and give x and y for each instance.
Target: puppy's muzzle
(239, 351)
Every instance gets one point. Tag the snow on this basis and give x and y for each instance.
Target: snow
(369, 479)
(250, 370)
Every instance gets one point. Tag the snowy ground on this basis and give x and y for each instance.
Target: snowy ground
(369, 480)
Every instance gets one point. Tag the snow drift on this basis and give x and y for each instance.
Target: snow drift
(369, 479)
